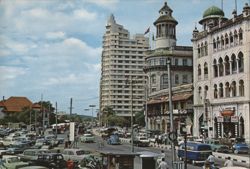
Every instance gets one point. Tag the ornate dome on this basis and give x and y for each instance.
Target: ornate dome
(213, 10)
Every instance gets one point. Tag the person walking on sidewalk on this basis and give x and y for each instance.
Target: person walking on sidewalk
(163, 164)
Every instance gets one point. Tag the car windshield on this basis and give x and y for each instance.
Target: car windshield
(82, 152)
(13, 160)
(204, 148)
(88, 135)
(143, 138)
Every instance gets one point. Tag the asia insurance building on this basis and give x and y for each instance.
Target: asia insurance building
(221, 59)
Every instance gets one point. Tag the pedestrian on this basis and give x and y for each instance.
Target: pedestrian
(162, 154)
(211, 160)
(206, 165)
(228, 162)
(70, 164)
(163, 164)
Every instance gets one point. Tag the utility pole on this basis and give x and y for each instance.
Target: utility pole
(146, 107)
(92, 119)
(56, 119)
(70, 108)
(172, 130)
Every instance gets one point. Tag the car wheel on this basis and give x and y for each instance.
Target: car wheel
(236, 151)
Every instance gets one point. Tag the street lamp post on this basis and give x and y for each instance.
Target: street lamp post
(92, 121)
(172, 131)
(130, 82)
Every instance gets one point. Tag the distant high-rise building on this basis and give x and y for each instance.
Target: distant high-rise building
(122, 61)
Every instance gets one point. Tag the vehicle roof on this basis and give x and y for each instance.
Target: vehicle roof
(195, 143)
(34, 167)
(8, 156)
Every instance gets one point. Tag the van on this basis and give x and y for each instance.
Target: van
(196, 152)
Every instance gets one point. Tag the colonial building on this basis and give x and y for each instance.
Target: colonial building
(122, 76)
(181, 75)
(222, 74)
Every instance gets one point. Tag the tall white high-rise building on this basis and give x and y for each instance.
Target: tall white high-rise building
(123, 59)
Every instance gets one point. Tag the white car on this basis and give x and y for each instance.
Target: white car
(13, 162)
(75, 154)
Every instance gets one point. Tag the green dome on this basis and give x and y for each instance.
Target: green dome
(213, 10)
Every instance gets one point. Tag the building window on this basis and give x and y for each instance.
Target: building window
(233, 86)
(241, 62)
(153, 79)
(205, 71)
(184, 78)
(221, 67)
(234, 64)
(215, 68)
(164, 81)
(199, 71)
(215, 91)
(227, 65)
(184, 62)
(227, 90)
(241, 88)
(176, 62)
(221, 93)
(176, 79)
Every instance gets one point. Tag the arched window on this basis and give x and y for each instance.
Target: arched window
(226, 40)
(215, 68)
(176, 79)
(241, 62)
(205, 70)
(153, 79)
(214, 44)
(233, 89)
(215, 91)
(164, 81)
(202, 49)
(222, 41)
(241, 88)
(221, 67)
(218, 43)
(236, 40)
(205, 92)
(199, 51)
(240, 35)
(227, 65)
(234, 64)
(199, 92)
(231, 38)
(227, 90)
(199, 71)
(221, 93)
(206, 48)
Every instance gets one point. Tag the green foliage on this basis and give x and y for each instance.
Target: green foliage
(140, 118)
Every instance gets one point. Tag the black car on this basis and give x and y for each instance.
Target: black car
(51, 160)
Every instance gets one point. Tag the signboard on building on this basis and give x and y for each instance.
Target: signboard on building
(234, 119)
(220, 119)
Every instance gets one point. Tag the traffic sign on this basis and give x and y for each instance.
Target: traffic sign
(172, 136)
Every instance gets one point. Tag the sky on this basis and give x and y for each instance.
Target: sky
(51, 49)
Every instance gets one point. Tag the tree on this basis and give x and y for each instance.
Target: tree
(140, 118)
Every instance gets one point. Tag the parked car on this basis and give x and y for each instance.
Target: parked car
(87, 138)
(17, 148)
(141, 141)
(114, 140)
(31, 154)
(3, 150)
(13, 162)
(51, 160)
(75, 154)
(217, 146)
(240, 148)
(196, 152)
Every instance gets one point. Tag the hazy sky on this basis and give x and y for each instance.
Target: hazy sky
(53, 47)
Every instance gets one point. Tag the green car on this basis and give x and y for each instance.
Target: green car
(13, 162)
(87, 138)
(217, 146)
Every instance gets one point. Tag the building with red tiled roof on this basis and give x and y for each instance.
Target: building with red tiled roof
(16, 104)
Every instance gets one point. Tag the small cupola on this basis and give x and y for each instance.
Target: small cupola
(165, 28)
(246, 10)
